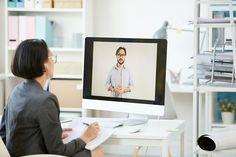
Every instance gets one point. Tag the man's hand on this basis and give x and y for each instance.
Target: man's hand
(64, 132)
(117, 90)
(121, 89)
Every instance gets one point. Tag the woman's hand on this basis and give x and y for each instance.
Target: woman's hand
(91, 132)
(64, 132)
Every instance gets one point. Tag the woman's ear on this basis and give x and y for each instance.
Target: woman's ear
(45, 67)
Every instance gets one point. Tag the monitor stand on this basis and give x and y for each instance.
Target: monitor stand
(136, 119)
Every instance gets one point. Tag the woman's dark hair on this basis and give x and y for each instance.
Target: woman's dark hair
(120, 48)
(29, 58)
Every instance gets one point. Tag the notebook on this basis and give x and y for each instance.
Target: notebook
(78, 129)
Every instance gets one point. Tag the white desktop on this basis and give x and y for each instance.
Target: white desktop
(146, 61)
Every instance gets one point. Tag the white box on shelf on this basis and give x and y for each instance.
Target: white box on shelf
(29, 3)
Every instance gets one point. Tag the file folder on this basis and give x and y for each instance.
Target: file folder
(44, 29)
(22, 28)
(20, 3)
(11, 3)
(13, 39)
(26, 27)
(30, 27)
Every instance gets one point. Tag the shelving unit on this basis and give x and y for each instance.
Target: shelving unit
(67, 23)
(63, 30)
(204, 122)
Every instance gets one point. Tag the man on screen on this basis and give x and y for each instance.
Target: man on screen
(119, 81)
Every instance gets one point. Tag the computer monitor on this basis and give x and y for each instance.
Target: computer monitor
(125, 75)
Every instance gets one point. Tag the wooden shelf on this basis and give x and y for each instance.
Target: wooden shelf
(70, 109)
(67, 76)
(221, 87)
(57, 49)
(216, 1)
(175, 88)
(215, 25)
(47, 10)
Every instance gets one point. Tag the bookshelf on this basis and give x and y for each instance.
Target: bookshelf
(206, 117)
(69, 28)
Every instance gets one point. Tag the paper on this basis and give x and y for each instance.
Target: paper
(218, 140)
(110, 124)
(103, 135)
(78, 129)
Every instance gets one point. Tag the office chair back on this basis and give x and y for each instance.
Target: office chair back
(3, 149)
(4, 152)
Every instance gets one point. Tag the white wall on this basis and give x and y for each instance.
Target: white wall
(141, 18)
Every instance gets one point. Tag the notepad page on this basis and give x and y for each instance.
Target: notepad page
(78, 129)
(103, 135)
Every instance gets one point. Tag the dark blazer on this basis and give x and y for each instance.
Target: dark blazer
(30, 124)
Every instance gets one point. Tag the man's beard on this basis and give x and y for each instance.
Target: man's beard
(121, 61)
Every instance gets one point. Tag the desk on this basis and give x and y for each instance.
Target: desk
(155, 133)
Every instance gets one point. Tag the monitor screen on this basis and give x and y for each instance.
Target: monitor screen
(125, 75)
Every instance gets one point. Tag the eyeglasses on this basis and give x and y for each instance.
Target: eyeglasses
(54, 58)
(121, 55)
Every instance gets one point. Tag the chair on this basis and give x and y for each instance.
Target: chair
(43, 155)
(4, 152)
(3, 149)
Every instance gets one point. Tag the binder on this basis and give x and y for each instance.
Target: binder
(44, 29)
(22, 28)
(29, 3)
(20, 3)
(11, 3)
(26, 27)
(30, 27)
(13, 31)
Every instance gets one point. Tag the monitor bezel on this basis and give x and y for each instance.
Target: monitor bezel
(160, 75)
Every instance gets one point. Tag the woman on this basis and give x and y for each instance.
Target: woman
(30, 124)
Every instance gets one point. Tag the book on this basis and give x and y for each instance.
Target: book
(78, 129)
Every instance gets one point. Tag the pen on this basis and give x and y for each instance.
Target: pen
(86, 123)
(66, 121)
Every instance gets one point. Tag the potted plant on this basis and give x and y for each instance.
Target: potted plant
(227, 108)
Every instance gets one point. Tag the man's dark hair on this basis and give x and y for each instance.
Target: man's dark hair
(120, 48)
(29, 58)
